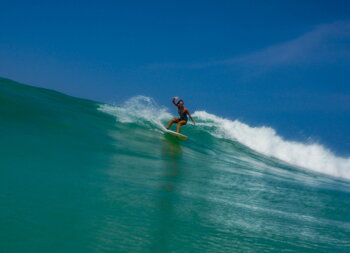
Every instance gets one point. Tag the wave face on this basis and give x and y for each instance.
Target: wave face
(82, 176)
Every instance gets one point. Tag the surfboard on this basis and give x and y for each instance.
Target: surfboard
(178, 135)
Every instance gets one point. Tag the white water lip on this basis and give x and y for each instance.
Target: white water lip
(265, 140)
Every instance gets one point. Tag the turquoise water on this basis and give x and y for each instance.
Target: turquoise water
(82, 176)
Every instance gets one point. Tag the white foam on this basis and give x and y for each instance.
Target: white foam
(265, 140)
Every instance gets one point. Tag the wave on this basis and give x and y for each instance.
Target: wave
(312, 156)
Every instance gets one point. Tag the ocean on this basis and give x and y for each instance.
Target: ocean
(83, 176)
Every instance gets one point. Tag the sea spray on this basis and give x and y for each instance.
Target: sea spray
(139, 109)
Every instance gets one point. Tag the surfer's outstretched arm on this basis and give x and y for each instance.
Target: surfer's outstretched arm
(174, 101)
(191, 117)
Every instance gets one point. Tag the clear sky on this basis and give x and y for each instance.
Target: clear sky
(284, 64)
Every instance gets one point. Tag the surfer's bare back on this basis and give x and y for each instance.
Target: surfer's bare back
(183, 112)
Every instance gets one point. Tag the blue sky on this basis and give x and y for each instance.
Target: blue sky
(284, 64)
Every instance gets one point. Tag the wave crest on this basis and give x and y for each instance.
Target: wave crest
(265, 140)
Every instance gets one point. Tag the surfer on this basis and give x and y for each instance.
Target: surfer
(183, 112)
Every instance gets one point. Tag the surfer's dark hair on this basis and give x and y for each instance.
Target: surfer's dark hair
(178, 102)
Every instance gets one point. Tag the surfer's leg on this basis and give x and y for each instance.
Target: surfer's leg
(179, 124)
(172, 122)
